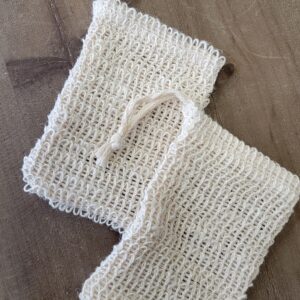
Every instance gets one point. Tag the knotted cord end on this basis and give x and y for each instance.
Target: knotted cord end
(130, 118)
(102, 155)
(116, 141)
(104, 152)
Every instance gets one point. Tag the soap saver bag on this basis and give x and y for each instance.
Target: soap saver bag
(126, 56)
(205, 224)
(65, 164)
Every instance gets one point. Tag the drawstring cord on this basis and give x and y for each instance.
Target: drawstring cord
(130, 119)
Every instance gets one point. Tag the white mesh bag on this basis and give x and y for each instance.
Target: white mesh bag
(205, 223)
(128, 144)
(127, 59)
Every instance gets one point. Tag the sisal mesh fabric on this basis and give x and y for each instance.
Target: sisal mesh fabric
(204, 226)
(126, 55)
(197, 207)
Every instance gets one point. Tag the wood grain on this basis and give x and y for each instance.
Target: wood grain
(45, 254)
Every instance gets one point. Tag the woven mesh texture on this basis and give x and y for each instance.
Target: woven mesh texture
(197, 207)
(125, 55)
(204, 226)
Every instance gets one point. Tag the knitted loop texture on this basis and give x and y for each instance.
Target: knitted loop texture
(129, 145)
(126, 56)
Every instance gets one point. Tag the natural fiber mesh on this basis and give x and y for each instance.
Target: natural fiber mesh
(198, 208)
(204, 226)
(125, 56)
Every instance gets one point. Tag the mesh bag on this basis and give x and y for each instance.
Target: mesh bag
(126, 57)
(128, 144)
(205, 224)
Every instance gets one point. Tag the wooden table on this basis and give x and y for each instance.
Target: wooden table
(46, 254)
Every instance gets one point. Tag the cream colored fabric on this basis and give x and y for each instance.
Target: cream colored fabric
(128, 144)
(126, 56)
(205, 224)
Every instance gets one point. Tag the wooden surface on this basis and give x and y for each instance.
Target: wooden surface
(46, 254)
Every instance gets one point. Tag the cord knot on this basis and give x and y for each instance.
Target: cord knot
(116, 141)
(131, 116)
